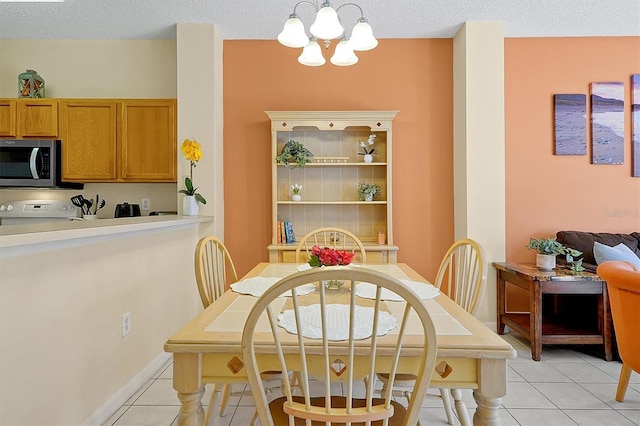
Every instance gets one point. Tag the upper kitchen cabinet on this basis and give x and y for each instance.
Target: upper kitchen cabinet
(89, 144)
(119, 140)
(8, 117)
(148, 141)
(29, 118)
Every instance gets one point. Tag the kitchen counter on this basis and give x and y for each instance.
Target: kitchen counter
(19, 239)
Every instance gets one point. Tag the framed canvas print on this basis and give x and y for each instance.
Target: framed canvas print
(635, 120)
(607, 123)
(570, 124)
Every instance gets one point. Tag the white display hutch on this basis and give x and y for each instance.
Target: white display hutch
(330, 182)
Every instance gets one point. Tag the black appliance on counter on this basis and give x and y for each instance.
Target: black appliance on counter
(127, 210)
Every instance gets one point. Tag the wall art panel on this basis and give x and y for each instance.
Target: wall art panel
(607, 123)
(635, 120)
(570, 124)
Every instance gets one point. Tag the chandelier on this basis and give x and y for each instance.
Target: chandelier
(327, 26)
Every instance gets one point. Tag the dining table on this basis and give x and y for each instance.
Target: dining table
(208, 348)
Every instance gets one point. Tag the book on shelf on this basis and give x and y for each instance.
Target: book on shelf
(279, 232)
(289, 235)
(283, 233)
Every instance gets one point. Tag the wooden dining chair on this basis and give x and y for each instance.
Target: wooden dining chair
(335, 238)
(349, 362)
(214, 268)
(623, 284)
(215, 271)
(462, 277)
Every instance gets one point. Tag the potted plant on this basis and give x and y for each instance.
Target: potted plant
(368, 149)
(295, 188)
(548, 249)
(366, 191)
(192, 152)
(294, 154)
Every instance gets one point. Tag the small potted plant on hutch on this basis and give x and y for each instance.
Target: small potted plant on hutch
(548, 249)
(366, 191)
(294, 154)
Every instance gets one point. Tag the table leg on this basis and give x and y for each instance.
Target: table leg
(187, 370)
(501, 290)
(535, 319)
(486, 411)
(492, 386)
(605, 323)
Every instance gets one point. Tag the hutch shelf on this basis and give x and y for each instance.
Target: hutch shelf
(330, 182)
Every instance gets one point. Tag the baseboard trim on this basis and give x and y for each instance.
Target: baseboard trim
(102, 414)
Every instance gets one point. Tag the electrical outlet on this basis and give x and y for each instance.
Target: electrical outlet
(146, 204)
(126, 324)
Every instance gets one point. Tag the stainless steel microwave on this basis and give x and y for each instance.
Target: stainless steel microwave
(31, 163)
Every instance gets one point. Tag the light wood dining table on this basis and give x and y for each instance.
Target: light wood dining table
(208, 348)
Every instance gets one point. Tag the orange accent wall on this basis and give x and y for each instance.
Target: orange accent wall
(546, 193)
(413, 76)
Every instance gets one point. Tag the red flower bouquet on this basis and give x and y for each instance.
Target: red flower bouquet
(329, 257)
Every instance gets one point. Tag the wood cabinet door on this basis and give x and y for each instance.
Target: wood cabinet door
(37, 118)
(147, 149)
(8, 118)
(88, 133)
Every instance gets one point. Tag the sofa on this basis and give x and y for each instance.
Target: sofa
(584, 241)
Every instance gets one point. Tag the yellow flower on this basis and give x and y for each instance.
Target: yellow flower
(191, 150)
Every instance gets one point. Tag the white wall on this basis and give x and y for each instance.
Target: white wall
(200, 117)
(63, 355)
(95, 69)
(60, 311)
(479, 150)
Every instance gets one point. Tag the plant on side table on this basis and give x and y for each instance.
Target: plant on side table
(548, 249)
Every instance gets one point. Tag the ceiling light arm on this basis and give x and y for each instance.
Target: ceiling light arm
(352, 4)
(294, 14)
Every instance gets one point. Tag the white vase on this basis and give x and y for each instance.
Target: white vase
(296, 197)
(546, 262)
(190, 206)
(368, 158)
(368, 197)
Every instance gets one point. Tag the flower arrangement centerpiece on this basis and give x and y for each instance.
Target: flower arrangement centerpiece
(368, 149)
(295, 189)
(330, 257)
(193, 153)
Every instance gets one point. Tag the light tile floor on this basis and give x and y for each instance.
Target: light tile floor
(569, 386)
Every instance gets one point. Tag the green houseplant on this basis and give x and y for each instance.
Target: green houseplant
(366, 191)
(549, 248)
(294, 154)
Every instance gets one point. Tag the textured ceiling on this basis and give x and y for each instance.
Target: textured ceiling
(253, 19)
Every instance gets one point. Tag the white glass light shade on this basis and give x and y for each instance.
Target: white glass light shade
(344, 56)
(362, 36)
(293, 34)
(327, 25)
(312, 55)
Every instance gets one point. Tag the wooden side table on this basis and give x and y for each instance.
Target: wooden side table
(548, 324)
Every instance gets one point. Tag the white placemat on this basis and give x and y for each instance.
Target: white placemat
(337, 322)
(256, 286)
(423, 290)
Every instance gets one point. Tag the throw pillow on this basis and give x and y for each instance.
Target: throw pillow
(602, 253)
